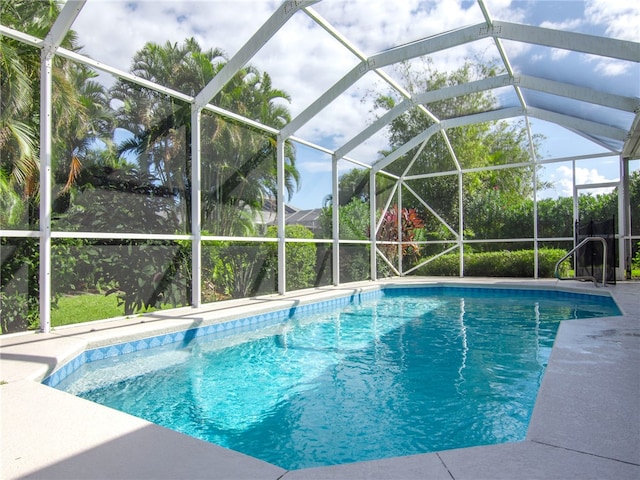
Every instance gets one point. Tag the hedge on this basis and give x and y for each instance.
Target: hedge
(518, 263)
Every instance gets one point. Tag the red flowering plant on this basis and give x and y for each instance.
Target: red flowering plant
(410, 224)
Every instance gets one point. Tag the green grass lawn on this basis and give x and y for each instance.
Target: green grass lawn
(84, 308)
(94, 306)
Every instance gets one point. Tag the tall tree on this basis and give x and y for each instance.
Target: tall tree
(478, 145)
(80, 107)
(238, 163)
(19, 99)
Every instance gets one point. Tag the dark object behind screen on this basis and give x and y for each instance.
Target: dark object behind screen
(589, 257)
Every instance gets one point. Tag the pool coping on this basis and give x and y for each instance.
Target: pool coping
(592, 375)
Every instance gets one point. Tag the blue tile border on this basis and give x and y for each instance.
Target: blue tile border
(266, 319)
(222, 329)
(492, 291)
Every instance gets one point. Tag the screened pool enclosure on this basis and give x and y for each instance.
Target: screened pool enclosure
(161, 154)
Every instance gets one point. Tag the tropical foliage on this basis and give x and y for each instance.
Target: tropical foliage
(400, 226)
(300, 269)
(80, 111)
(121, 163)
(475, 146)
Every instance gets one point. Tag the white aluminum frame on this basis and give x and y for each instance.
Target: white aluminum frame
(498, 31)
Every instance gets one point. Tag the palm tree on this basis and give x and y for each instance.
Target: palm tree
(238, 163)
(160, 125)
(79, 137)
(19, 84)
(80, 106)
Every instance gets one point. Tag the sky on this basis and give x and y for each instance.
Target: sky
(304, 60)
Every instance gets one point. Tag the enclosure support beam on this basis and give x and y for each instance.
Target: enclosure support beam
(63, 22)
(503, 53)
(494, 115)
(46, 76)
(372, 225)
(388, 57)
(249, 49)
(52, 41)
(395, 112)
(624, 221)
(449, 123)
(534, 156)
(196, 208)
(627, 104)
(282, 261)
(461, 222)
(399, 227)
(335, 220)
(583, 94)
(577, 42)
(574, 123)
(576, 213)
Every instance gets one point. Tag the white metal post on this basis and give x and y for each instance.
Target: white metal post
(534, 156)
(372, 225)
(624, 223)
(196, 208)
(536, 260)
(576, 212)
(335, 220)
(54, 38)
(576, 204)
(282, 261)
(46, 76)
(461, 222)
(399, 226)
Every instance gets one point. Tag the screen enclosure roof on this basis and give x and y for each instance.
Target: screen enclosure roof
(570, 64)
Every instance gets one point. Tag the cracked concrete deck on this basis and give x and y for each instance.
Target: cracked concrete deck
(585, 424)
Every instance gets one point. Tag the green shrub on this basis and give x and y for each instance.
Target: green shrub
(355, 264)
(71, 268)
(244, 269)
(144, 273)
(18, 313)
(506, 263)
(447, 265)
(301, 257)
(19, 288)
(547, 259)
(241, 269)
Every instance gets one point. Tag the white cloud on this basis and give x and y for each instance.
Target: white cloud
(612, 68)
(563, 181)
(588, 175)
(303, 59)
(112, 31)
(620, 17)
(572, 24)
(559, 54)
(506, 10)
(376, 25)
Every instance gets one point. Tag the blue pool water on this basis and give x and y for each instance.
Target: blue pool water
(411, 371)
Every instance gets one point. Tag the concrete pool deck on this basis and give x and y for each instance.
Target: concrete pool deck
(585, 424)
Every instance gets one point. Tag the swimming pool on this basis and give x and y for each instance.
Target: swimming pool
(396, 372)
